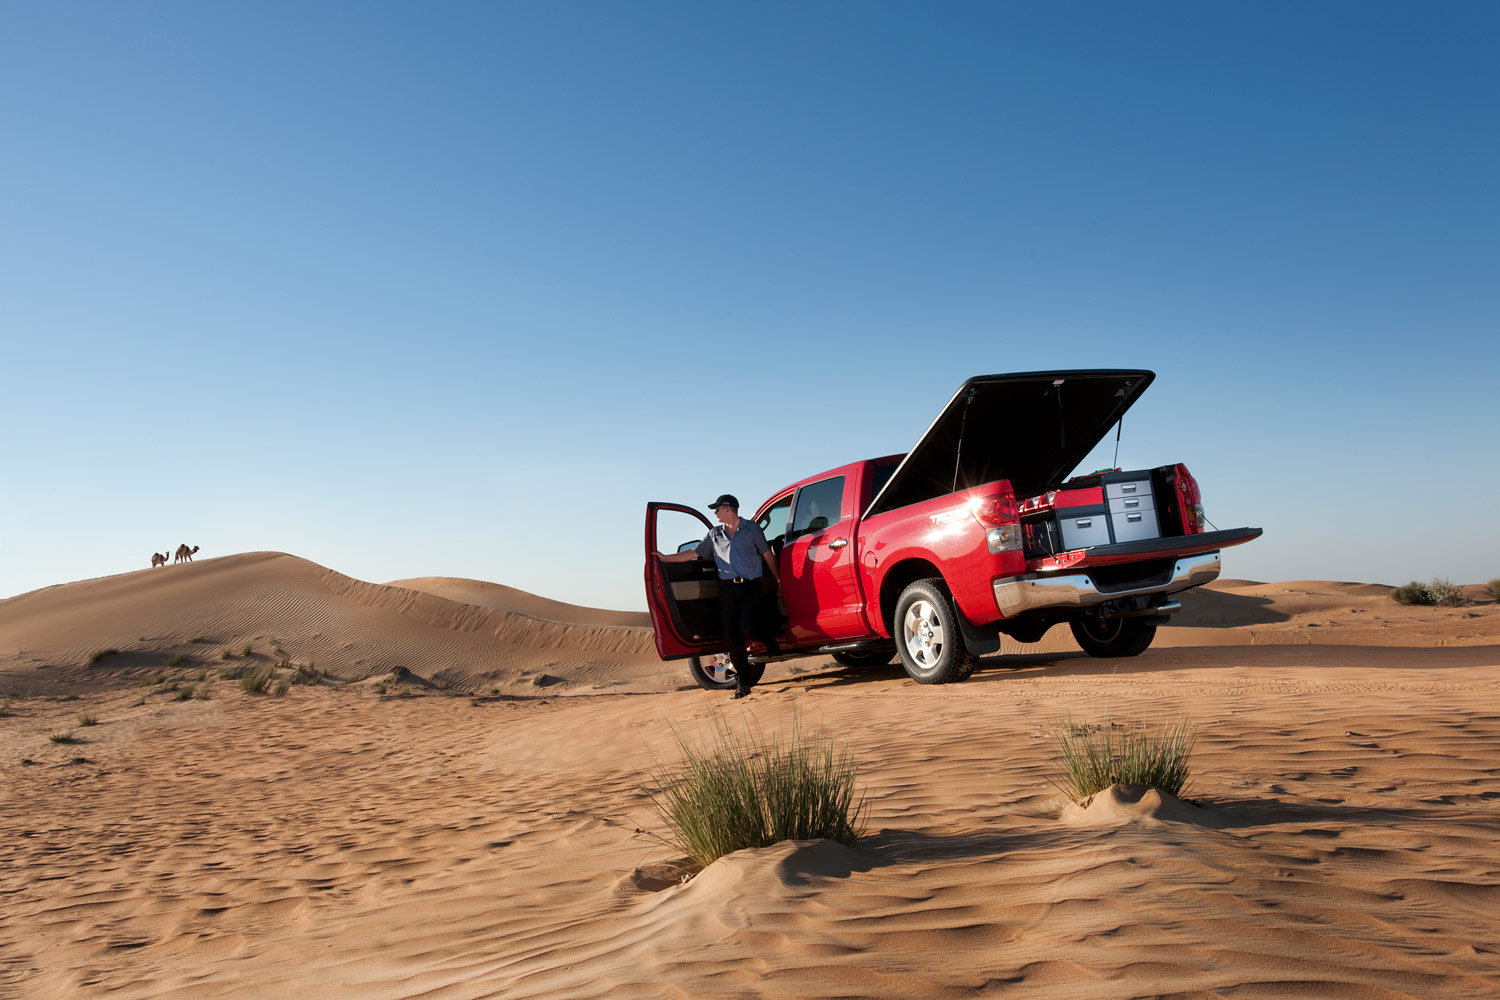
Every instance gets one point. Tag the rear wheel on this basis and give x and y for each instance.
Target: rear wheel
(865, 657)
(1113, 637)
(928, 637)
(713, 673)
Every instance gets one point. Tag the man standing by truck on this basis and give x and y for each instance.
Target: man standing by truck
(739, 551)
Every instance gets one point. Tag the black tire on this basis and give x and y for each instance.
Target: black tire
(928, 637)
(866, 657)
(713, 677)
(1113, 637)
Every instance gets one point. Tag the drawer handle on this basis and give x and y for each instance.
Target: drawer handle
(1132, 517)
(1087, 522)
(1128, 488)
(1133, 502)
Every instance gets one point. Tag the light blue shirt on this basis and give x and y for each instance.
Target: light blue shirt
(736, 555)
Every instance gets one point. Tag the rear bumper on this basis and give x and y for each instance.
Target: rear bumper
(1062, 591)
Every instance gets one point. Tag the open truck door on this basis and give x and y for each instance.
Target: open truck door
(683, 597)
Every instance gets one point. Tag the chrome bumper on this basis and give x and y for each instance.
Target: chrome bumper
(1077, 590)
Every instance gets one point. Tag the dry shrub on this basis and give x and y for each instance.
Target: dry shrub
(1440, 591)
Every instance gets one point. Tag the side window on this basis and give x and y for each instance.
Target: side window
(818, 506)
(773, 521)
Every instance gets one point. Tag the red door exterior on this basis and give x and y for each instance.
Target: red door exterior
(819, 581)
(670, 643)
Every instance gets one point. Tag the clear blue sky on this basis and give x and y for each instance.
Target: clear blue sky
(454, 289)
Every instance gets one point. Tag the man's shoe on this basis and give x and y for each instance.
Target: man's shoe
(739, 693)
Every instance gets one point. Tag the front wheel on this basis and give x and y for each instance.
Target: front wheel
(1113, 637)
(928, 637)
(713, 673)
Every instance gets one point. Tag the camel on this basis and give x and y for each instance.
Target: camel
(158, 559)
(184, 553)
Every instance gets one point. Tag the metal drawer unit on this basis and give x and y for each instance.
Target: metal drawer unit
(1082, 527)
(1134, 525)
(1132, 509)
(1128, 487)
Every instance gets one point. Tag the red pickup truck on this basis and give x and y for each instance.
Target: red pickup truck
(973, 534)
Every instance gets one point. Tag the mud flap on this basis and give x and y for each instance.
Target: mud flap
(981, 640)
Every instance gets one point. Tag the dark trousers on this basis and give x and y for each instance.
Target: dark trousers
(742, 612)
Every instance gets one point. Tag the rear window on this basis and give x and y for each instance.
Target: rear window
(880, 477)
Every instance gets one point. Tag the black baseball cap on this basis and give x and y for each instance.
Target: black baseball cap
(723, 499)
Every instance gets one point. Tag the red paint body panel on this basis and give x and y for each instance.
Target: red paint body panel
(943, 532)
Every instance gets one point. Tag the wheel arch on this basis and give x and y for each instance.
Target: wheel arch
(897, 579)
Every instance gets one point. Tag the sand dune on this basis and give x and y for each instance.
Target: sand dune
(272, 601)
(1339, 839)
(494, 595)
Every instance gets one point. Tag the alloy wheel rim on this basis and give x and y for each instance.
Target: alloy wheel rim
(720, 668)
(1101, 630)
(923, 634)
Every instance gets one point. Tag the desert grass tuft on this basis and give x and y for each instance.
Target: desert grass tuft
(201, 694)
(256, 681)
(65, 736)
(233, 673)
(246, 650)
(379, 687)
(184, 693)
(1494, 586)
(1088, 758)
(177, 659)
(4, 708)
(738, 790)
(100, 655)
(153, 679)
(226, 654)
(87, 719)
(282, 687)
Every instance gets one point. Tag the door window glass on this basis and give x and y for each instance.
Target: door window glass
(818, 506)
(773, 521)
(676, 530)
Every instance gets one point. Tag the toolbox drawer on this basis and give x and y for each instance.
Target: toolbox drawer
(1134, 525)
(1079, 530)
(1129, 488)
(1121, 505)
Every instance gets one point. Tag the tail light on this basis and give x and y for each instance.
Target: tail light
(1193, 518)
(1000, 520)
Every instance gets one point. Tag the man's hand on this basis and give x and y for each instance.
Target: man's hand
(771, 565)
